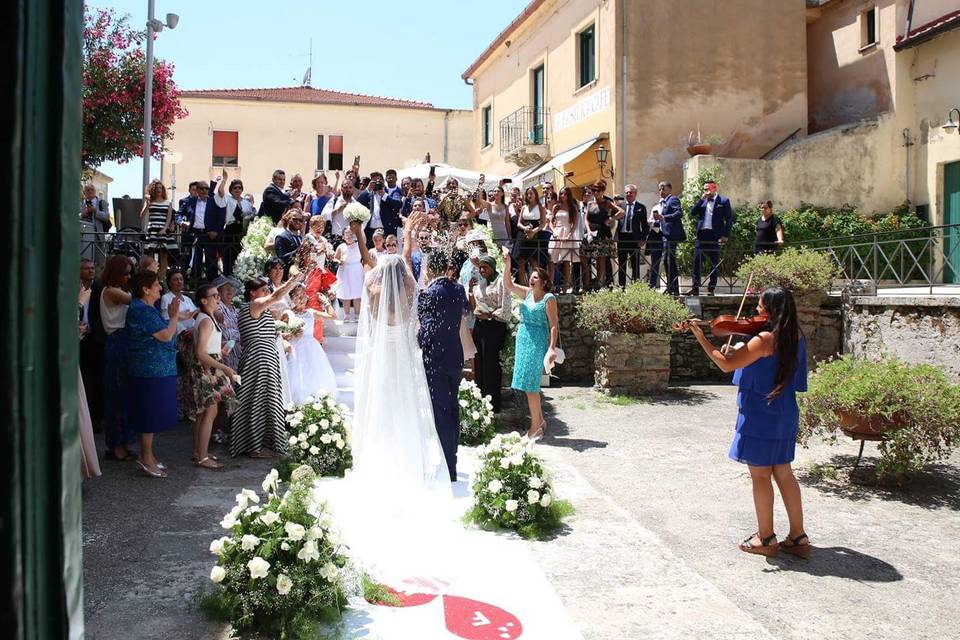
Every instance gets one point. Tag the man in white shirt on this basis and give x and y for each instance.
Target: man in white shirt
(333, 212)
(632, 232)
(188, 310)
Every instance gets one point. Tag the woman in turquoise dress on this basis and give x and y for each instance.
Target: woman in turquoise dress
(151, 368)
(770, 370)
(536, 338)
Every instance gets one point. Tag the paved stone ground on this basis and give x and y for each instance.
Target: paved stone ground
(650, 553)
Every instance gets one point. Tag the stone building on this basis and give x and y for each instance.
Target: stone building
(251, 132)
(637, 76)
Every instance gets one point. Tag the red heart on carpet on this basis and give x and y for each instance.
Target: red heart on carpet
(475, 620)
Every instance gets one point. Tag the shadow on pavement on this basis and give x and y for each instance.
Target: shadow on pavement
(558, 430)
(839, 562)
(936, 487)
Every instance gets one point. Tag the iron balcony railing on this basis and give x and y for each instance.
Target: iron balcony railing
(915, 258)
(525, 126)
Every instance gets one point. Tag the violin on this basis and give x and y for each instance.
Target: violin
(726, 325)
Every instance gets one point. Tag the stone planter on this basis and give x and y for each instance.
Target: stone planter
(631, 364)
(702, 149)
(809, 314)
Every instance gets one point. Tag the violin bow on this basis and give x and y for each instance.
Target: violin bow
(743, 301)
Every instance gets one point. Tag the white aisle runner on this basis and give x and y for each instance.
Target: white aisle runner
(497, 591)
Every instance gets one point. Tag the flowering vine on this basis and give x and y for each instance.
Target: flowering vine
(113, 92)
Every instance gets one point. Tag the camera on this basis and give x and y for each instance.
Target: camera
(378, 185)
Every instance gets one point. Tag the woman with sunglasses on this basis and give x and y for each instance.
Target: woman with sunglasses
(601, 215)
(210, 379)
(239, 214)
(769, 230)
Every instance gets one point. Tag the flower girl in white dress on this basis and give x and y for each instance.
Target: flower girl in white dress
(308, 368)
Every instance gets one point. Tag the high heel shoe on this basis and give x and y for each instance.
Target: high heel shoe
(538, 434)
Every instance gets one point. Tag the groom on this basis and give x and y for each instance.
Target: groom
(440, 307)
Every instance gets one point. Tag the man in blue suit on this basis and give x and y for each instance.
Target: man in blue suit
(714, 217)
(671, 226)
(440, 307)
(384, 210)
(206, 214)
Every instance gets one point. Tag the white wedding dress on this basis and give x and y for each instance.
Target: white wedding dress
(308, 369)
(393, 505)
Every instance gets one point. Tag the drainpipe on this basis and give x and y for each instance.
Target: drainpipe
(446, 135)
(908, 142)
(622, 12)
(906, 32)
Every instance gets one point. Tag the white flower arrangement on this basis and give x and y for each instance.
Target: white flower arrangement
(280, 565)
(512, 490)
(319, 436)
(476, 415)
(253, 255)
(356, 212)
(292, 328)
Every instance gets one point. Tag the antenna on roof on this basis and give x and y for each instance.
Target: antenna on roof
(306, 76)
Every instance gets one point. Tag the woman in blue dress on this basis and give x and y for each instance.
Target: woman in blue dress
(770, 370)
(536, 338)
(151, 367)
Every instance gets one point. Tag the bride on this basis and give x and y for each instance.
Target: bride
(395, 445)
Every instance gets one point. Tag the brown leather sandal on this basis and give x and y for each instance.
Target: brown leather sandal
(795, 547)
(768, 546)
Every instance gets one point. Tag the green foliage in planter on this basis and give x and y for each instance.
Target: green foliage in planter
(799, 270)
(636, 309)
(918, 397)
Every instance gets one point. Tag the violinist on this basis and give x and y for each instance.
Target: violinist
(770, 369)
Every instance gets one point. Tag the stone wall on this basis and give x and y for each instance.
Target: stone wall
(688, 363)
(914, 329)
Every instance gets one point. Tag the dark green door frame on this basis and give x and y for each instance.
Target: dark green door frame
(951, 215)
(41, 593)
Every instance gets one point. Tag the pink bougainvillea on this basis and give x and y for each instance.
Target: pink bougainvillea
(113, 92)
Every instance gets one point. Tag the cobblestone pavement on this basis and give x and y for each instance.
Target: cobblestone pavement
(650, 553)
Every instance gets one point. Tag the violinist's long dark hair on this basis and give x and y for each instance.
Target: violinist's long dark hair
(782, 314)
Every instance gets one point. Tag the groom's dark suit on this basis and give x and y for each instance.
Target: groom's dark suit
(440, 308)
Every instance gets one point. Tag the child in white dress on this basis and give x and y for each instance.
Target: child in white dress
(308, 368)
(349, 276)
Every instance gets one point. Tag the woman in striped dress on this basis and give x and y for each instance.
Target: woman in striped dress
(258, 424)
(159, 219)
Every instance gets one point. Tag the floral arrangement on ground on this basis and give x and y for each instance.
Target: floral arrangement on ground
(280, 569)
(512, 490)
(476, 415)
(319, 437)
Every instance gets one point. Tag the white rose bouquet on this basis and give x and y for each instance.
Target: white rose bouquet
(253, 255)
(512, 490)
(476, 415)
(356, 212)
(279, 567)
(318, 432)
(292, 328)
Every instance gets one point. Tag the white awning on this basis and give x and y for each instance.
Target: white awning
(555, 164)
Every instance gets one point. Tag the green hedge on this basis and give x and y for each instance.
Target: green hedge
(810, 226)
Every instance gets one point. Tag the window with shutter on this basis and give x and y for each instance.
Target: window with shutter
(225, 148)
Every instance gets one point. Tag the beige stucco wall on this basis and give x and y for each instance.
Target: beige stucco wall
(549, 38)
(736, 67)
(284, 135)
(846, 83)
(859, 164)
(934, 72)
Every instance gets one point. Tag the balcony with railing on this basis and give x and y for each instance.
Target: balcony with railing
(523, 136)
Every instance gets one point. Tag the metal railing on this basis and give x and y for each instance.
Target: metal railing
(921, 258)
(525, 126)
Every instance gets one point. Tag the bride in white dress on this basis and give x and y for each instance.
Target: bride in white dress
(396, 500)
(308, 369)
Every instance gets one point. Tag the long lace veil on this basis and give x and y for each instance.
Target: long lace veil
(395, 440)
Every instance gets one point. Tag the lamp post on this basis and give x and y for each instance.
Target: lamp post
(602, 155)
(952, 125)
(153, 26)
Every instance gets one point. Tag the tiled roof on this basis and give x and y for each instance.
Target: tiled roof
(528, 11)
(926, 31)
(306, 95)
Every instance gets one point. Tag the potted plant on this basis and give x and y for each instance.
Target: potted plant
(913, 410)
(632, 328)
(807, 274)
(702, 146)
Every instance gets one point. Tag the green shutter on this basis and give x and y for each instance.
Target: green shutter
(951, 215)
(41, 576)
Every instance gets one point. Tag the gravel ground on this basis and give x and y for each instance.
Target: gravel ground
(650, 553)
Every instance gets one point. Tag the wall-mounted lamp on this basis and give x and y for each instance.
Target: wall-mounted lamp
(952, 125)
(602, 155)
